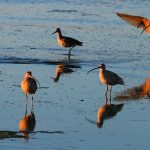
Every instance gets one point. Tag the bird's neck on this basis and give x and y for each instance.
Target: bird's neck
(100, 118)
(27, 76)
(59, 35)
(57, 77)
(102, 70)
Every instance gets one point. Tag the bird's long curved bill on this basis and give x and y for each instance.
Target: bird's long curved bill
(144, 29)
(92, 70)
(36, 80)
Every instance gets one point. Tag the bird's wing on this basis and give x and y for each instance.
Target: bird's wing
(72, 41)
(113, 78)
(137, 21)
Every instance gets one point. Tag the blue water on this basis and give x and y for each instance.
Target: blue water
(26, 43)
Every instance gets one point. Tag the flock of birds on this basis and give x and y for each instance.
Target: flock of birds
(29, 83)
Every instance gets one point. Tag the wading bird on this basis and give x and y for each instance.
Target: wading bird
(29, 84)
(137, 21)
(109, 78)
(67, 41)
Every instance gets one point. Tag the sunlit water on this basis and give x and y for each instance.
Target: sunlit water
(61, 108)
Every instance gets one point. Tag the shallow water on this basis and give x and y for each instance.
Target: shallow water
(61, 108)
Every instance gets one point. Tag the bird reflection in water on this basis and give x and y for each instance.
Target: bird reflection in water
(136, 92)
(27, 123)
(62, 69)
(105, 112)
(26, 127)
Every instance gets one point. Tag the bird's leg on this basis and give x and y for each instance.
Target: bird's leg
(32, 100)
(106, 99)
(26, 99)
(32, 108)
(69, 53)
(106, 94)
(26, 107)
(26, 104)
(110, 93)
(106, 90)
(69, 57)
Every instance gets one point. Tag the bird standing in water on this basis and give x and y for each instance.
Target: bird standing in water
(109, 78)
(29, 84)
(67, 41)
(137, 21)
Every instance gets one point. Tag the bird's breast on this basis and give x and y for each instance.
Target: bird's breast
(62, 42)
(102, 78)
(29, 86)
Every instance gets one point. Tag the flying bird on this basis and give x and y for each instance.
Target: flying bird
(137, 21)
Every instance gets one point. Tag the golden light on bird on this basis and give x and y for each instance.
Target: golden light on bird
(109, 78)
(137, 21)
(146, 87)
(65, 41)
(29, 84)
(136, 92)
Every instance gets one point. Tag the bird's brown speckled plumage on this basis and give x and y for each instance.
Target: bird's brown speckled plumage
(28, 84)
(65, 41)
(109, 78)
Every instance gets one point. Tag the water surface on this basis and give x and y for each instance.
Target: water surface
(61, 108)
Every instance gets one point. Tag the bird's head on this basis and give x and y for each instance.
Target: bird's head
(57, 31)
(28, 74)
(99, 124)
(101, 66)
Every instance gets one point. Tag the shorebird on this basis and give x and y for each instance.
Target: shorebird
(61, 69)
(137, 21)
(29, 84)
(67, 41)
(109, 78)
